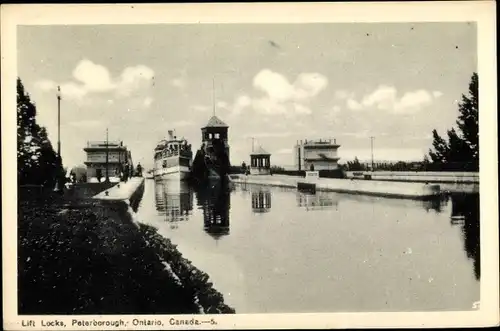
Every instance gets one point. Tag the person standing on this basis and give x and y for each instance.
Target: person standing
(139, 170)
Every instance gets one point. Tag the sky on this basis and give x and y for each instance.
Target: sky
(277, 83)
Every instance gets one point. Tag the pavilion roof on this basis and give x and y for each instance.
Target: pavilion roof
(260, 151)
(216, 122)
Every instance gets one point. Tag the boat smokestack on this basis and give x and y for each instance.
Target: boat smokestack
(170, 134)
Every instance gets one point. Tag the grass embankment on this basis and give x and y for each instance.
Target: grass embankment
(196, 282)
(75, 257)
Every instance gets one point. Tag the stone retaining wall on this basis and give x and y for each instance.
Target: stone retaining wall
(368, 187)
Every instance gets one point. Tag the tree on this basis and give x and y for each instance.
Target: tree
(37, 162)
(425, 163)
(441, 149)
(461, 150)
(355, 165)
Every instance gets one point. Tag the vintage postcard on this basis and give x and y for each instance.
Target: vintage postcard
(249, 166)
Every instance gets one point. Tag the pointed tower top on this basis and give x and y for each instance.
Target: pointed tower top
(216, 122)
(260, 151)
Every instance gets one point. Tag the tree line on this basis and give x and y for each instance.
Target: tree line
(37, 162)
(356, 165)
(459, 151)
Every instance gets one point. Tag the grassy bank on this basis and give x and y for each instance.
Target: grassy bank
(77, 257)
(77, 262)
(195, 281)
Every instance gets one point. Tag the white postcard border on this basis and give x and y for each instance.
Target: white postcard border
(481, 12)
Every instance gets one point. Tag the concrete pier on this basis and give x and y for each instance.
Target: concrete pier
(122, 190)
(122, 198)
(367, 187)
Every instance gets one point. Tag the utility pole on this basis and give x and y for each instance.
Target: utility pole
(120, 168)
(59, 121)
(213, 95)
(59, 175)
(107, 157)
(371, 140)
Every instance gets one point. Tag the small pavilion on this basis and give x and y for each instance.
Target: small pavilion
(260, 162)
(261, 201)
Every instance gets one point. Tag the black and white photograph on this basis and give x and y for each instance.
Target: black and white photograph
(187, 171)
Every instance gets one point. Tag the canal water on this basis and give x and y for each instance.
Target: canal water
(276, 250)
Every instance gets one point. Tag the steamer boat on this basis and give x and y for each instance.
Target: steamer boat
(173, 158)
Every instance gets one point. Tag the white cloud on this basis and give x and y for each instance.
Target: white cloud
(278, 88)
(353, 104)
(147, 102)
(269, 106)
(331, 115)
(413, 101)
(133, 79)
(45, 85)
(90, 77)
(386, 98)
(94, 77)
(222, 104)
(275, 85)
(243, 101)
(310, 84)
(178, 82)
(343, 94)
(73, 91)
(281, 96)
(300, 109)
(437, 94)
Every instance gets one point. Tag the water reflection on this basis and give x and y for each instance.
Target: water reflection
(336, 253)
(435, 204)
(320, 200)
(215, 203)
(261, 200)
(174, 200)
(465, 213)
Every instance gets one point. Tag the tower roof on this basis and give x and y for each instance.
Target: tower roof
(260, 151)
(216, 122)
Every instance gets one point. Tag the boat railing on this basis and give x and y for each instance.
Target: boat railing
(170, 153)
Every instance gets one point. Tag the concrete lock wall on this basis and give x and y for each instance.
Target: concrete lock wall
(368, 187)
(123, 195)
(321, 165)
(260, 171)
(420, 176)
